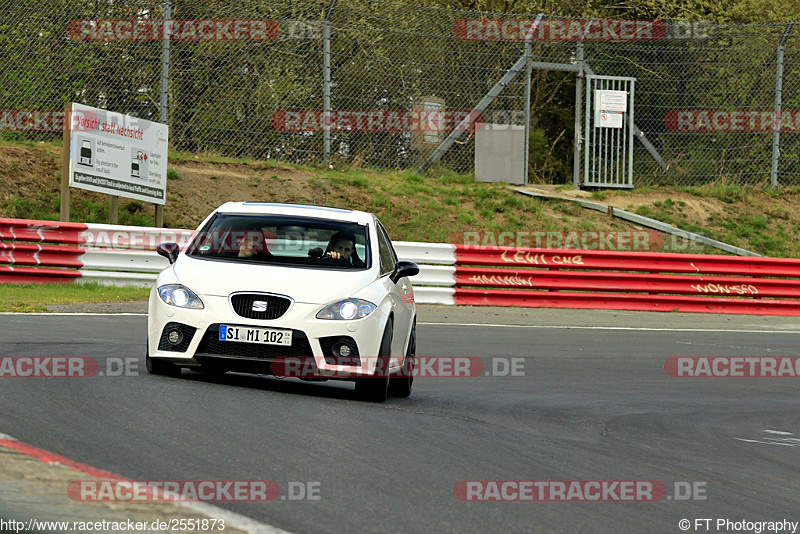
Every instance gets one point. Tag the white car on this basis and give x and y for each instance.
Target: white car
(287, 290)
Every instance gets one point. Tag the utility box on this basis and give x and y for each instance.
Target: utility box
(500, 153)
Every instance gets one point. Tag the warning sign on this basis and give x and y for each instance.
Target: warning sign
(610, 119)
(609, 108)
(118, 154)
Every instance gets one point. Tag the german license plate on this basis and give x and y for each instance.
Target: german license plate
(264, 336)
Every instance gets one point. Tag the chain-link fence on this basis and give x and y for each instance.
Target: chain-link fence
(706, 100)
(381, 84)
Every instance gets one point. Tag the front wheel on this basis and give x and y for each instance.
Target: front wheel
(375, 388)
(159, 367)
(400, 385)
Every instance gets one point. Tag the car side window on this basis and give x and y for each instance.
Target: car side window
(387, 255)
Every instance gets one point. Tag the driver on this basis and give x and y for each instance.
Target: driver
(341, 249)
(341, 246)
(252, 245)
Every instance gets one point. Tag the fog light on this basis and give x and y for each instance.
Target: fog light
(175, 337)
(340, 349)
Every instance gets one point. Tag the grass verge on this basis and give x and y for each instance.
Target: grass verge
(37, 297)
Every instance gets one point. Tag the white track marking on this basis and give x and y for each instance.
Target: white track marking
(626, 328)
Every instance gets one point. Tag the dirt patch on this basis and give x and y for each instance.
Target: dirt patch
(763, 220)
(203, 184)
(25, 171)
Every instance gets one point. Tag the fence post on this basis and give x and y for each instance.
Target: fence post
(776, 132)
(164, 93)
(576, 161)
(326, 82)
(528, 73)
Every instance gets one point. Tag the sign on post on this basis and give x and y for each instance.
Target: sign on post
(609, 119)
(609, 108)
(118, 154)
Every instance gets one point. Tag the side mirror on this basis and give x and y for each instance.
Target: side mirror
(169, 251)
(403, 269)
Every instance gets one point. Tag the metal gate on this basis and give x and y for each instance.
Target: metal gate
(608, 153)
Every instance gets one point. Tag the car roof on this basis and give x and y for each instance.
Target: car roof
(299, 210)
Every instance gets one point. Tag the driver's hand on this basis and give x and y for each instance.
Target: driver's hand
(246, 249)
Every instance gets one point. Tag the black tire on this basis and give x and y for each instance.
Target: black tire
(160, 367)
(400, 386)
(376, 388)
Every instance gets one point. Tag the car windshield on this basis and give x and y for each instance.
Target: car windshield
(296, 241)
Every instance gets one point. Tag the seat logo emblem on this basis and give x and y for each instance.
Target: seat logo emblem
(259, 306)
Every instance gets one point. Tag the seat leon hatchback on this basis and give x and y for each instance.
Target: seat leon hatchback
(292, 291)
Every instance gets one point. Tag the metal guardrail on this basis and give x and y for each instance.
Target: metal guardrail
(46, 251)
(125, 255)
(39, 251)
(595, 279)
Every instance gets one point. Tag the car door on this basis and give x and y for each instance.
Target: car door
(402, 293)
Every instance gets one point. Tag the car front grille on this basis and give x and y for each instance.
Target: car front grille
(210, 345)
(271, 306)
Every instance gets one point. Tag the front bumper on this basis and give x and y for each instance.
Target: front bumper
(311, 338)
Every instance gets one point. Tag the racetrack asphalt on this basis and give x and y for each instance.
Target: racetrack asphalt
(593, 402)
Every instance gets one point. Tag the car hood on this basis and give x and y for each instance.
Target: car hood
(313, 286)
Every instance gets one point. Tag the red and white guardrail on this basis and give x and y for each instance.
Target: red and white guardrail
(48, 251)
(647, 281)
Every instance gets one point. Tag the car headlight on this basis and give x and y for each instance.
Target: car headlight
(347, 309)
(182, 297)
